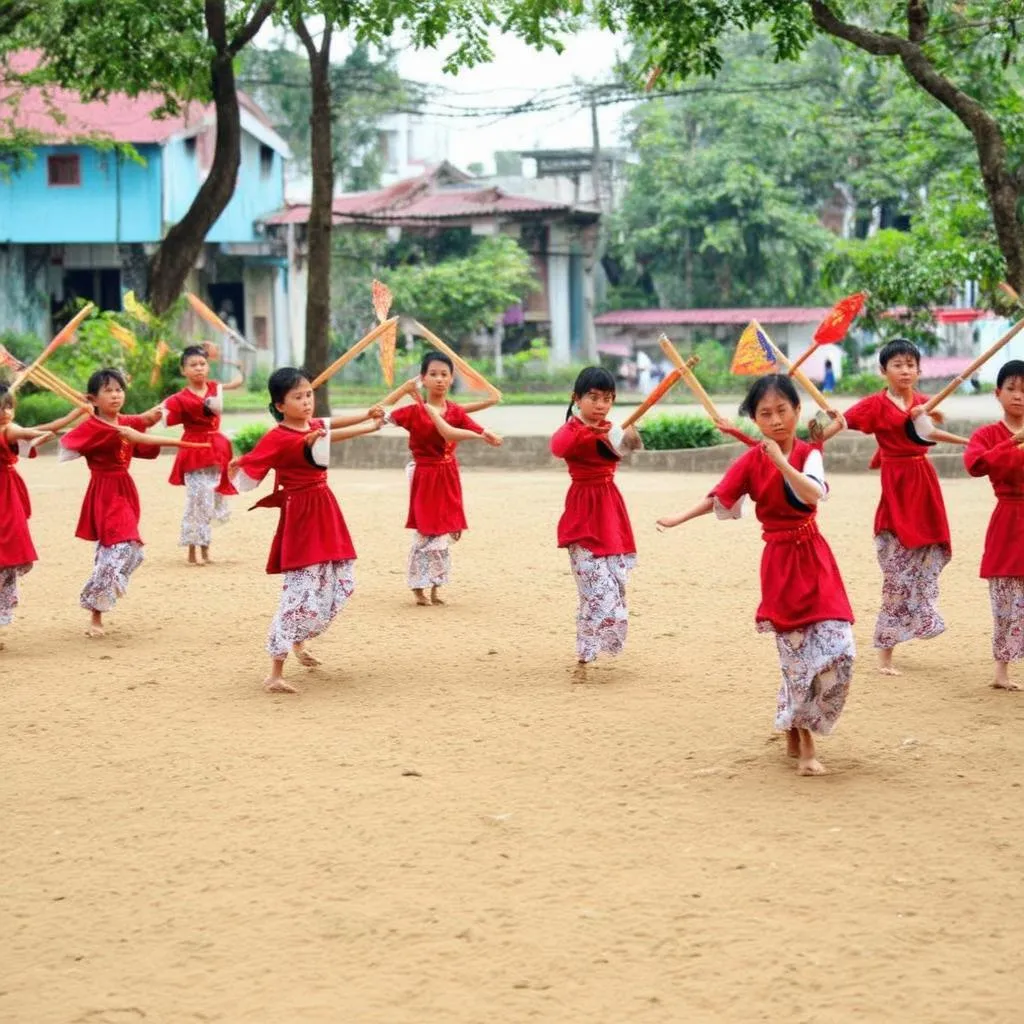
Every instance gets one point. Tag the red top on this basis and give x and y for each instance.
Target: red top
(911, 505)
(435, 497)
(202, 425)
(595, 515)
(16, 546)
(110, 509)
(800, 581)
(994, 453)
(311, 528)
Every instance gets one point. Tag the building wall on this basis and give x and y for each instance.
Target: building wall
(116, 200)
(23, 295)
(260, 188)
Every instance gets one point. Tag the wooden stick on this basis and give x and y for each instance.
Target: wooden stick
(346, 357)
(459, 362)
(42, 373)
(58, 387)
(802, 358)
(59, 338)
(985, 356)
(213, 320)
(653, 398)
(800, 377)
(698, 390)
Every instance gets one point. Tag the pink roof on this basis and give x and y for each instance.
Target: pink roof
(120, 118)
(943, 366)
(422, 200)
(763, 314)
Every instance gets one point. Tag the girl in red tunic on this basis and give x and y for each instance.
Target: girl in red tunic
(911, 531)
(436, 426)
(17, 553)
(995, 451)
(595, 525)
(203, 472)
(803, 600)
(110, 511)
(312, 547)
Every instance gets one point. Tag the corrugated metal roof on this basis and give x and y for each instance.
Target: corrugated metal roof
(763, 314)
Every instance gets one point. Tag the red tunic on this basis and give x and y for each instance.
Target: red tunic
(595, 515)
(311, 528)
(911, 505)
(110, 509)
(994, 453)
(800, 581)
(202, 425)
(16, 546)
(435, 497)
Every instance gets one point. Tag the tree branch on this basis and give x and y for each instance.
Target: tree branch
(918, 17)
(255, 23)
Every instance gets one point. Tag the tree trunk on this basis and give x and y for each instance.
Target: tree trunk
(183, 243)
(318, 231)
(1001, 185)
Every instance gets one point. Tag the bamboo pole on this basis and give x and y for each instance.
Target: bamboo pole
(658, 393)
(800, 377)
(346, 357)
(460, 363)
(63, 335)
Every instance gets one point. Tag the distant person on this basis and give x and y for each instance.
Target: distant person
(828, 385)
(643, 368)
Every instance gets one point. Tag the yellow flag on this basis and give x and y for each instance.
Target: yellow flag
(754, 355)
(124, 336)
(136, 309)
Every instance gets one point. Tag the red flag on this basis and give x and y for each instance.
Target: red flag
(835, 325)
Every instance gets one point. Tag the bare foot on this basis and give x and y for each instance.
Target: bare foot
(192, 555)
(792, 743)
(275, 684)
(579, 673)
(435, 597)
(1002, 680)
(206, 555)
(421, 598)
(304, 657)
(95, 627)
(811, 767)
(808, 763)
(885, 665)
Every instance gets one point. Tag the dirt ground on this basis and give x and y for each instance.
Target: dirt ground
(442, 828)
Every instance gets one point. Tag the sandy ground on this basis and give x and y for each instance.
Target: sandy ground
(441, 828)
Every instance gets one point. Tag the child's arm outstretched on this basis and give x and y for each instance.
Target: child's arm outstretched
(806, 488)
(450, 433)
(154, 441)
(484, 403)
(237, 381)
(702, 508)
(62, 421)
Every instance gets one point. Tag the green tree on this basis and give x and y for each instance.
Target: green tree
(964, 55)
(460, 296)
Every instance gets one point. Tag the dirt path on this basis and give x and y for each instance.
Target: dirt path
(440, 828)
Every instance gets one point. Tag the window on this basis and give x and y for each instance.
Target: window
(63, 171)
(387, 143)
(266, 161)
(190, 147)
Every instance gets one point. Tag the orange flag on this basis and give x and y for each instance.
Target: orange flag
(838, 319)
(162, 351)
(754, 355)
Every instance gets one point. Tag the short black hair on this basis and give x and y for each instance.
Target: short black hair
(436, 357)
(1014, 368)
(281, 381)
(898, 347)
(108, 375)
(591, 378)
(193, 350)
(778, 383)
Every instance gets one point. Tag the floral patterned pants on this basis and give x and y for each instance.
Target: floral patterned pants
(910, 591)
(203, 507)
(310, 599)
(1007, 596)
(111, 570)
(430, 561)
(817, 666)
(602, 618)
(9, 591)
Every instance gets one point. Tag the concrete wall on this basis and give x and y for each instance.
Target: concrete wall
(23, 290)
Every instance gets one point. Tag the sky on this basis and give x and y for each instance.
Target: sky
(517, 73)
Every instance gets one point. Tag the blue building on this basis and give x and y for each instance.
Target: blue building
(81, 218)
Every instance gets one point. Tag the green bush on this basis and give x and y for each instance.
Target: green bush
(669, 432)
(39, 407)
(256, 382)
(858, 384)
(246, 438)
(22, 346)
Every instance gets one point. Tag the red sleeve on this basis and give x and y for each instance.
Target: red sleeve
(140, 451)
(458, 417)
(570, 440)
(402, 417)
(736, 481)
(89, 435)
(269, 453)
(861, 416)
(173, 407)
(981, 456)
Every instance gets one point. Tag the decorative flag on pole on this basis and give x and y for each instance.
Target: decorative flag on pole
(161, 353)
(388, 341)
(123, 336)
(835, 325)
(6, 359)
(754, 355)
(136, 309)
